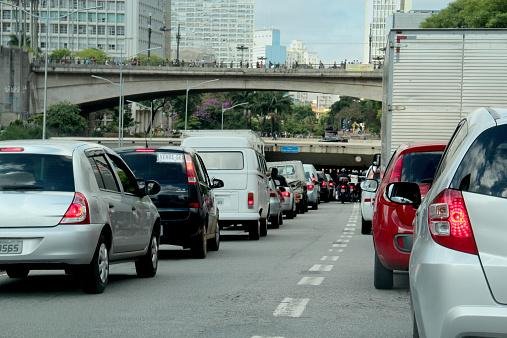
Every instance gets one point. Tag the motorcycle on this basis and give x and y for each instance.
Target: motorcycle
(343, 193)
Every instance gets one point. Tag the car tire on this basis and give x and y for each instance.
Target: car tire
(214, 243)
(280, 220)
(365, 227)
(263, 227)
(275, 222)
(254, 230)
(95, 275)
(17, 272)
(146, 267)
(199, 246)
(415, 330)
(382, 277)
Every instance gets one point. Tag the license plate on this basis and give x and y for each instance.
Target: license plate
(343, 190)
(11, 247)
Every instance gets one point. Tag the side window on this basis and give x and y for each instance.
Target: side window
(96, 172)
(108, 179)
(204, 170)
(200, 172)
(482, 170)
(127, 179)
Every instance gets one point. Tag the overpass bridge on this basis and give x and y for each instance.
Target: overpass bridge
(355, 153)
(73, 82)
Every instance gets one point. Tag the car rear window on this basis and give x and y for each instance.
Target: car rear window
(287, 170)
(162, 166)
(223, 160)
(38, 172)
(483, 169)
(420, 167)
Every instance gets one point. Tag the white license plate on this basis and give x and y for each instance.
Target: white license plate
(343, 190)
(11, 246)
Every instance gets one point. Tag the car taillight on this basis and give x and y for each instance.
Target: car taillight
(449, 222)
(398, 167)
(191, 174)
(331, 184)
(286, 193)
(280, 194)
(324, 184)
(78, 211)
(251, 200)
(273, 194)
(145, 150)
(11, 150)
(310, 187)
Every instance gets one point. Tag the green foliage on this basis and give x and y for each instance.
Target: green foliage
(92, 54)
(19, 130)
(355, 110)
(64, 119)
(59, 54)
(470, 14)
(153, 60)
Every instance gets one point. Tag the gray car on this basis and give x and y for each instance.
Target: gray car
(74, 206)
(458, 267)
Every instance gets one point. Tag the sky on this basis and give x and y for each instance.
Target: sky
(331, 28)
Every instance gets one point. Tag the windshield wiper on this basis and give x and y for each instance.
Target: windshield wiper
(20, 187)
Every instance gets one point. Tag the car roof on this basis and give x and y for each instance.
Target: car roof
(498, 113)
(422, 147)
(166, 148)
(56, 147)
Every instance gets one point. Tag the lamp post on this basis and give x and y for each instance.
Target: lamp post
(242, 48)
(186, 97)
(149, 38)
(230, 108)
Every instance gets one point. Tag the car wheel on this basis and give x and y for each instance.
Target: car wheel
(280, 219)
(254, 230)
(382, 277)
(315, 206)
(214, 243)
(415, 330)
(365, 227)
(95, 275)
(275, 221)
(263, 227)
(18, 272)
(200, 245)
(147, 266)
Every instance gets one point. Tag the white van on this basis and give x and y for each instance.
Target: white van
(243, 202)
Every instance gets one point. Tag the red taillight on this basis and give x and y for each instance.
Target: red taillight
(12, 150)
(78, 212)
(310, 186)
(331, 184)
(273, 194)
(191, 175)
(324, 184)
(398, 167)
(251, 200)
(449, 223)
(145, 150)
(286, 193)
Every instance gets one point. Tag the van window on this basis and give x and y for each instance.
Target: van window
(482, 170)
(223, 160)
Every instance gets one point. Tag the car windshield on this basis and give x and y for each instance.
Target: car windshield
(420, 167)
(38, 172)
(223, 160)
(163, 167)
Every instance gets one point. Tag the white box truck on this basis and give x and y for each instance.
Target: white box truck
(435, 77)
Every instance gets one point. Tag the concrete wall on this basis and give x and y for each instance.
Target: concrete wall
(14, 86)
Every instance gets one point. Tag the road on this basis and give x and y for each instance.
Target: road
(313, 277)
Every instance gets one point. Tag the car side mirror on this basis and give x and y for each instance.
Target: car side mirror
(152, 187)
(217, 184)
(370, 185)
(404, 193)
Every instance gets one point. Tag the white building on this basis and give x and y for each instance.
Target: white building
(223, 28)
(376, 15)
(119, 27)
(297, 52)
(408, 20)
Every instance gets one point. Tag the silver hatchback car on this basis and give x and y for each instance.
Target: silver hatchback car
(74, 206)
(458, 267)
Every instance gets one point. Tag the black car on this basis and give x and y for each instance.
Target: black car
(325, 189)
(186, 203)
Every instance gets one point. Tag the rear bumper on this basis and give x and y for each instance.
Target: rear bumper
(181, 231)
(242, 216)
(313, 196)
(63, 244)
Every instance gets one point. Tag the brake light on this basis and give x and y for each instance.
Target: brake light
(251, 200)
(286, 193)
(398, 167)
(273, 194)
(310, 186)
(324, 184)
(145, 150)
(78, 211)
(331, 184)
(11, 150)
(191, 175)
(449, 222)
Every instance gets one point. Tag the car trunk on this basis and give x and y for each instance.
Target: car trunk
(487, 216)
(33, 209)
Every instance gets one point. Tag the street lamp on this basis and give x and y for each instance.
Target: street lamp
(242, 48)
(44, 113)
(230, 108)
(186, 97)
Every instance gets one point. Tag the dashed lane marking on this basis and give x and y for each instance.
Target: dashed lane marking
(339, 245)
(314, 281)
(291, 307)
(320, 267)
(267, 337)
(330, 250)
(340, 240)
(330, 258)
(340, 250)
(347, 235)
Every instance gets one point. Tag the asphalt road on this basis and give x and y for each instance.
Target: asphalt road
(313, 277)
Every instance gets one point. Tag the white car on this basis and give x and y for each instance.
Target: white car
(367, 200)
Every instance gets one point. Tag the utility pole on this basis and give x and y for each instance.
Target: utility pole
(369, 52)
(149, 38)
(178, 38)
(242, 48)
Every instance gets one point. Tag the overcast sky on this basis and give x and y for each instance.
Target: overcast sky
(331, 28)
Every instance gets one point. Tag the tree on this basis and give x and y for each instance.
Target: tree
(153, 60)
(59, 54)
(93, 54)
(18, 130)
(470, 14)
(63, 119)
(14, 41)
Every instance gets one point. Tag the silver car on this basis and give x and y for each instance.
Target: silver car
(74, 206)
(312, 186)
(275, 206)
(458, 267)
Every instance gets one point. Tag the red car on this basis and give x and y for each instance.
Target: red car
(392, 222)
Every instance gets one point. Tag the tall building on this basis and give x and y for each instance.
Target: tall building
(377, 13)
(408, 20)
(118, 27)
(221, 28)
(267, 47)
(297, 52)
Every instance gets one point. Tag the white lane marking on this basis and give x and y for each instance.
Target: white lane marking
(339, 245)
(320, 267)
(350, 225)
(347, 235)
(349, 229)
(291, 307)
(330, 250)
(324, 258)
(3, 274)
(330, 258)
(267, 337)
(342, 240)
(340, 250)
(315, 281)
